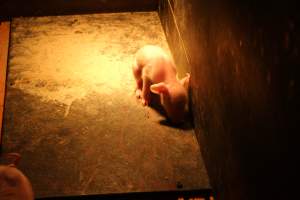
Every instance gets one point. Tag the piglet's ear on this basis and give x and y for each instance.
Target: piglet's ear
(186, 81)
(159, 88)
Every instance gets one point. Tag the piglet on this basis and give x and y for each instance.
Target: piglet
(155, 71)
(13, 183)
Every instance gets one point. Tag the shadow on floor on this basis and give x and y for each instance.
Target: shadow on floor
(155, 104)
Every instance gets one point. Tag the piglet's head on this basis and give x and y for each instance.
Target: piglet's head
(174, 98)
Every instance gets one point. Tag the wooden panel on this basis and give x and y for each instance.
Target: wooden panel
(244, 58)
(169, 23)
(4, 41)
(9, 8)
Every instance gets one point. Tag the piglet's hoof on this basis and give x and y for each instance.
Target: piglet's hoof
(138, 93)
(144, 102)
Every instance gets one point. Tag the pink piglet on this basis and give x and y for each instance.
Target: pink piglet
(155, 72)
(14, 185)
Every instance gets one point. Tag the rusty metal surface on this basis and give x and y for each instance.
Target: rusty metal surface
(70, 109)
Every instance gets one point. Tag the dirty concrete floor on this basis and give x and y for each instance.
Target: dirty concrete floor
(71, 112)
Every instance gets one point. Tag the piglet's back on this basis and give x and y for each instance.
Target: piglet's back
(149, 53)
(160, 66)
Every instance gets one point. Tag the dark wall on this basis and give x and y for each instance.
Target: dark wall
(243, 58)
(10, 8)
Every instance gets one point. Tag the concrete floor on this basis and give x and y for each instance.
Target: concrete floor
(71, 112)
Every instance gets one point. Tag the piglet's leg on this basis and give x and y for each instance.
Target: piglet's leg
(146, 91)
(137, 72)
(138, 90)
